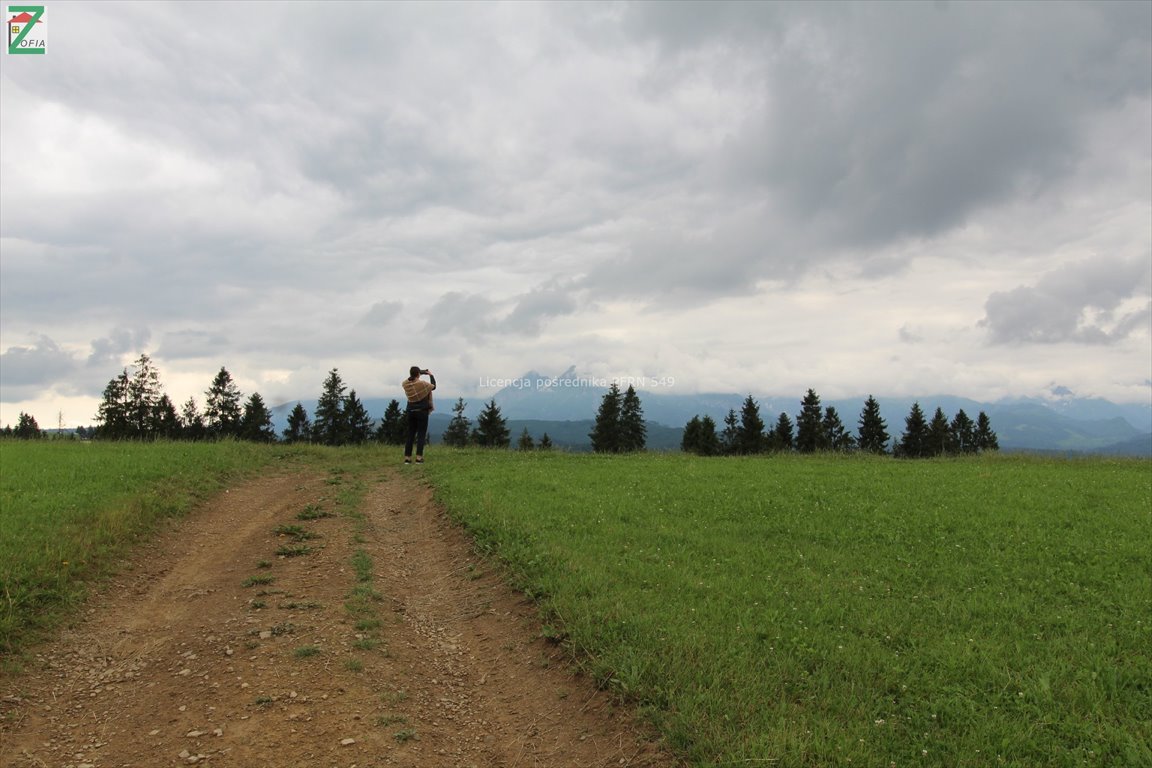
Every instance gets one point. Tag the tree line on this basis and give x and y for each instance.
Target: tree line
(817, 429)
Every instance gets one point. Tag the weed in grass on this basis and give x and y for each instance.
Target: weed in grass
(293, 550)
(386, 720)
(258, 604)
(313, 512)
(354, 665)
(306, 651)
(368, 625)
(264, 564)
(263, 701)
(310, 605)
(408, 734)
(296, 532)
(366, 643)
(254, 581)
(362, 564)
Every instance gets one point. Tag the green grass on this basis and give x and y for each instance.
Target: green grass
(69, 509)
(812, 611)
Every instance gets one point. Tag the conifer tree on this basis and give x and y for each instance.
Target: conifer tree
(914, 442)
(728, 438)
(690, 438)
(457, 433)
(809, 435)
(112, 418)
(357, 422)
(709, 443)
(835, 437)
(329, 424)
(781, 438)
(27, 428)
(605, 432)
(962, 433)
(491, 428)
(633, 432)
(939, 435)
(299, 429)
(191, 422)
(750, 433)
(144, 393)
(392, 427)
(222, 411)
(545, 442)
(256, 422)
(873, 431)
(167, 422)
(525, 443)
(985, 437)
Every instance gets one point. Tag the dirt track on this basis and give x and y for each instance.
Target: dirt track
(176, 663)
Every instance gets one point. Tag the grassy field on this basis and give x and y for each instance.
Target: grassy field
(815, 611)
(68, 509)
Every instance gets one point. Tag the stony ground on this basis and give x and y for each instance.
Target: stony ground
(387, 643)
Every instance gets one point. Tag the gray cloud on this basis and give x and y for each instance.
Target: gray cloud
(1077, 303)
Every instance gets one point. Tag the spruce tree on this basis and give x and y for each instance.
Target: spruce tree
(939, 434)
(167, 422)
(728, 438)
(985, 437)
(709, 442)
(525, 443)
(144, 393)
(191, 422)
(457, 434)
(781, 438)
(633, 432)
(605, 432)
(357, 422)
(873, 431)
(750, 433)
(545, 442)
(27, 428)
(963, 433)
(112, 415)
(329, 426)
(914, 442)
(299, 429)
(222, 411)
(690, 439)
(835, 437)
(492, 428)
(809, 435)
(392, 427)
(256, 423)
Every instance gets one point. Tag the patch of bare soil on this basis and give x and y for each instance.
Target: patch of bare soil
(432, 661)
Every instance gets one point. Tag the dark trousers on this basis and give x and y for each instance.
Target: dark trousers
(417, 431)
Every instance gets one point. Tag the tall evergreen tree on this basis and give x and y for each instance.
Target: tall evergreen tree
(633, 432)
(781, 438)
(222, 411)
(525, 443)
(835, 436)
(299, 429)
(750, 433)
(191, 422)
(392, 427)
(144, 393)
(113, 417)
(939, 435)
(985, 437)
(709, 443)
(729, 437)
(329, 424)
(690, 438)
(27, 428)
(491, 428)
(256, 421)
(459, 428)
(357, 422)
(914, 442)
(605, 432)
(809, 435)
(167, 421)
(873, 431)
(962, 433)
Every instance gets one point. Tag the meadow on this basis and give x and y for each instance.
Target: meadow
(814, 611)
(773, 610)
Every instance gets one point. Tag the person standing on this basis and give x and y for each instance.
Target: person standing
(419, 394)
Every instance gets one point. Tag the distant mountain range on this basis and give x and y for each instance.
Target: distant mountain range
(564, 406)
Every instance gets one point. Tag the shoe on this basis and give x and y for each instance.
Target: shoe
(407, 461)
(419, 459)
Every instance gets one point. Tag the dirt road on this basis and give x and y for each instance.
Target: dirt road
(386, 643)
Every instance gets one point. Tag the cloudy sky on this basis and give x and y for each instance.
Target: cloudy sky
(887, 198)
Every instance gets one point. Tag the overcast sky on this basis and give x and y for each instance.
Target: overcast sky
(886, 198)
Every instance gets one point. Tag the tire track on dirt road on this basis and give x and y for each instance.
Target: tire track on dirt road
(427, 660)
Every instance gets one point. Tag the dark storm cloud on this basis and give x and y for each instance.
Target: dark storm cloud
(1078, 303)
